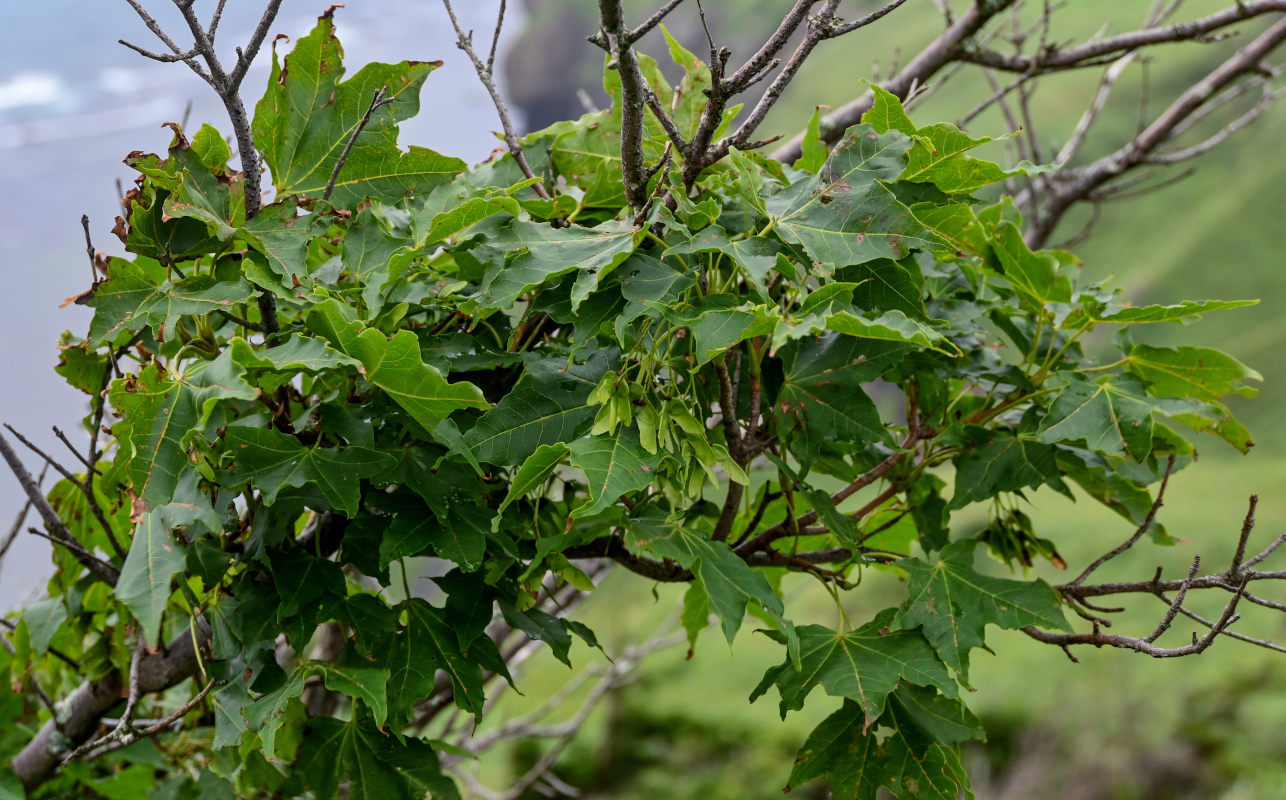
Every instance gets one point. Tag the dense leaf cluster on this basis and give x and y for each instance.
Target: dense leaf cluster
(780, 368)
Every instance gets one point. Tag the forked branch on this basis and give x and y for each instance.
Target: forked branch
(1236, 581)
(486, 74)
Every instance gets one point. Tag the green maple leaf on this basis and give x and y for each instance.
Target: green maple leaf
(857, 764)
(1139, 315)
(268, 714)
(130, 300)
(307, 117)
(1034, 276)
(1199, 372)
(429, 644)
(614, 465)
(358, 678)
(273, 461)
(144, 584)
(1002, 462)
(374, 765)
(822, 386)
(543, 253)
(729, 581)
(845, 214)
(938, 155)
(279, 237)
(43, 619)
(297, 354)
(546, 407)
(755, 255)
(864, 665)
(301, 579)
(953, 604)
(395, 365)
(533, 473)
(158, 413)
(1113, 415)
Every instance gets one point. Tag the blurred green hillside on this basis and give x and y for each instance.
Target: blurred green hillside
(1117, 725)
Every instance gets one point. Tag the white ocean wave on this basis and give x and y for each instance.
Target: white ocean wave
(121, 80)
(87, 126)
(32, 89)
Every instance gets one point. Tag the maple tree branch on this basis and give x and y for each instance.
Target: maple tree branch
(1146, 644)
(18, 521)
(651, 22)
(58, 530)
(40, 759)
(1070, 186)
(62, 437)
(464, 41)
(943, 50)
(1055, 59)
(634, 90)
(227, 86)
(1235, 580)
(757, 64)
(85, 489)
(1142, 528)
(872, 475)
(1219, 137)
(242, 321)
(151, 728)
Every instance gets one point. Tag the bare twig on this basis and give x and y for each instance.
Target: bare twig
(242, 321)
(943, 50)
(213, 27)
(1077, 138)
(1247, 526)
(1230, 634)
(861, 22)
(1054, 59)
(246, 55)
(165, 58)
(378, 101)
(1143, 528)
(227, 85)
(62, 437)
(758, 63)
(83, 486)
(495, 38)
(1219, 137)
(464, 41)
(1145, 645)
(58, 530)
(1235, 581)
(872, 475)
(1071, 186)
(123, 732)
(89, 250)
(153, 727)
